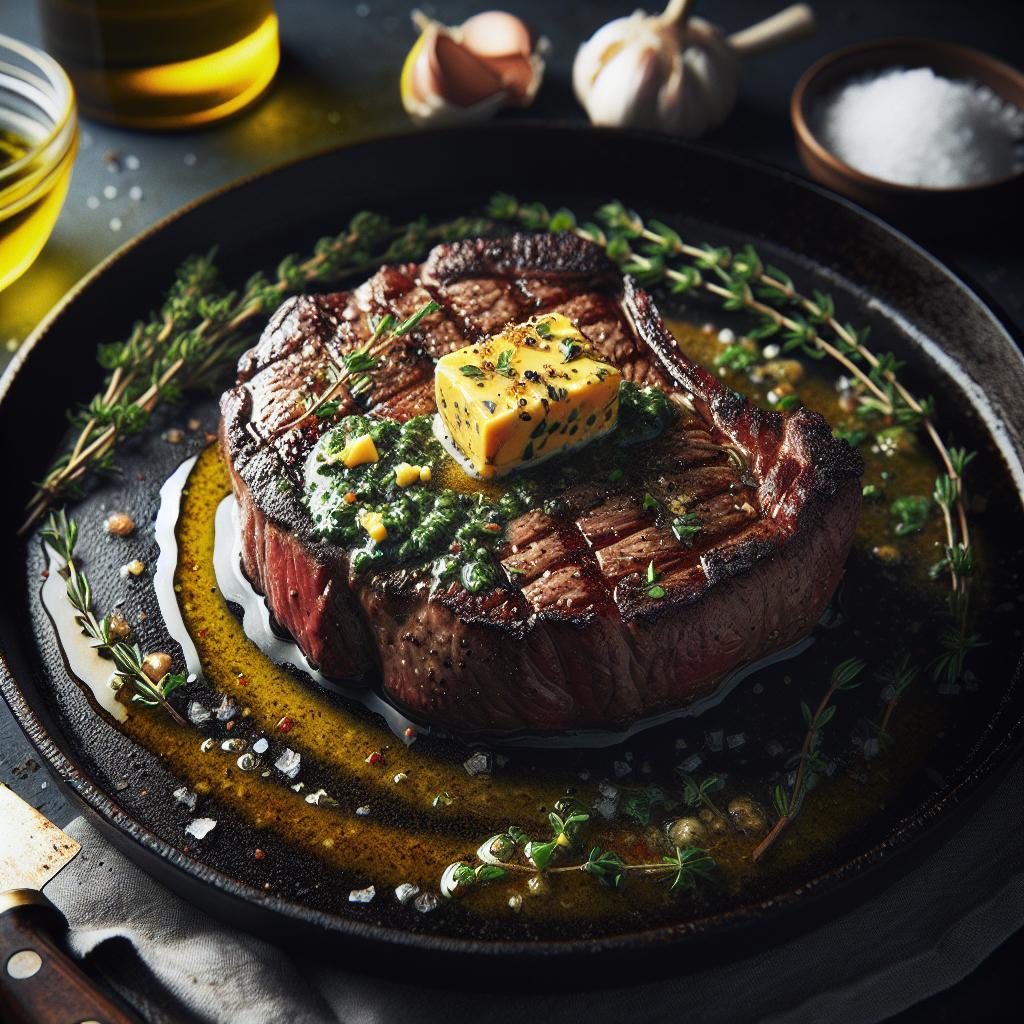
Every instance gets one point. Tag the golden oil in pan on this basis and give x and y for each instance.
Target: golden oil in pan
(163, 64)
(31, 196)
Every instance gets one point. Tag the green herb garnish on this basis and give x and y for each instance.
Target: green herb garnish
(61, 534)
(504, 363)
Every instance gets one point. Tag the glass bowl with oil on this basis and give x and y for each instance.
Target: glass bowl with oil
(38, 142)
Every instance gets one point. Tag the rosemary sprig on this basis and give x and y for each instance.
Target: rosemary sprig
(200, 330)
(656, 254)
(61, 534)
(810, 765)
(685, 868)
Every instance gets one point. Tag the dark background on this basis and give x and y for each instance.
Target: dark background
(338, 83)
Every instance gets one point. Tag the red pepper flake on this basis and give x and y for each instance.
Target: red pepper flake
(203, 632)
(259, 854)
(492, 527)
(242, 681)
(229, 726)
(285, 724)
(410, 733)
(45, 574)
(375, 758)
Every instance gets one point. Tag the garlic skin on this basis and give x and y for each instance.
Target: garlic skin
(664, 72)
(455, 75)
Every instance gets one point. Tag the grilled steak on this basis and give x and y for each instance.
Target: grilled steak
(574, 639)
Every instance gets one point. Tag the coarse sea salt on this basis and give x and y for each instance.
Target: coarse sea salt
(914, 127)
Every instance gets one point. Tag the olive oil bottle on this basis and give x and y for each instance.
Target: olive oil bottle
(163, 64)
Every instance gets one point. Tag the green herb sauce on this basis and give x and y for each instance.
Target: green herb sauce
(454, 533)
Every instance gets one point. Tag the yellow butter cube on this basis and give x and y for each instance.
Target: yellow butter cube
(530, 392)
(358, 451)
(373, 523)
(406, 474)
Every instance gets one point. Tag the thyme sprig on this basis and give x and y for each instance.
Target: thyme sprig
(354, 369)
(654, 253)
(896, 678)
(810, 765)
(685, 868)
(201, 328)
(61, 534)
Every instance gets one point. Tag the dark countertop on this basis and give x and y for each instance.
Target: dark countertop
(338, 83)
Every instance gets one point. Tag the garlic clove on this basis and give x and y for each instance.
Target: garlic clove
(625, 93)
(496, 34)
(599, 49)
(455, 75)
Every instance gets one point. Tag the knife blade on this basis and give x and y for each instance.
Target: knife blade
(39, 982)
(32, 848)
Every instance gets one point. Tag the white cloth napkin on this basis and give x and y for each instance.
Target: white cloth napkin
(919, 936)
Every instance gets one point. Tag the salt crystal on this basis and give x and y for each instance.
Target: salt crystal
(714, 740)
(736, 739)
(185, 796)
(621, 769)
(362, 895)
(289, 763)
(914, 127)
(363, 811)
(726, 336)
(321, 798)
(201, 827)
(115, 224)
(773, 748)
(771, 351)
(691, 764)
(197, 714)
(109, 191)
(478, 764)
(93, 202)
(426, 902)
(135, 193)
(132, 162)
(405, 892)
(261, 745)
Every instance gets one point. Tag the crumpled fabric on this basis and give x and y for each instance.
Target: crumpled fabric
(920, 935)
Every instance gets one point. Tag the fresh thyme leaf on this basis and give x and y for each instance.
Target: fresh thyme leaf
(543, 329)
(469, 370)
(910, 513)
(686, 527)
(504, 363)
(735, 358)
(570, 349)
(652, 574)
(651, 503)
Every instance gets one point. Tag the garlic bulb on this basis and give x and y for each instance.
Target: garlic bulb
(671, 72)
(466, 73)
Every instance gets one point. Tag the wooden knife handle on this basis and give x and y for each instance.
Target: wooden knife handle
(39, 981)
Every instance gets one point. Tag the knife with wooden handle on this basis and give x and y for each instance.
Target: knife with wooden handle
(39, 981)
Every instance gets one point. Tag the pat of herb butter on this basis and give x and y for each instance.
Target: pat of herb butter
(528, 393)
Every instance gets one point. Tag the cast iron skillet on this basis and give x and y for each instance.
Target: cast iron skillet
(957, 342)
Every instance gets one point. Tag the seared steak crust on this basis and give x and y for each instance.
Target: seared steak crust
(575, 642)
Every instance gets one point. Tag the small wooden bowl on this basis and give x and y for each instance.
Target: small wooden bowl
(936, 210)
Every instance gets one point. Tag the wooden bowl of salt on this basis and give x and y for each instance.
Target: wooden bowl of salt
(928, 133)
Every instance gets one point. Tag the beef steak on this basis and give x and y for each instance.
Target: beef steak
(573, 641)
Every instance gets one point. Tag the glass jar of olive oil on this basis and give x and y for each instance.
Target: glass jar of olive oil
(38, 142)
(163, 64)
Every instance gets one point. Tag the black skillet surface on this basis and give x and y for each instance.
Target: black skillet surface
(959, 349)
